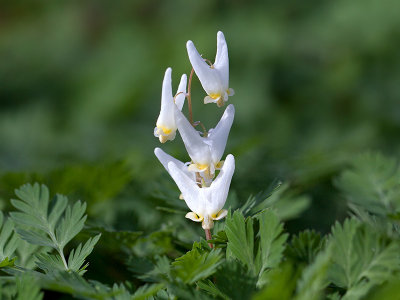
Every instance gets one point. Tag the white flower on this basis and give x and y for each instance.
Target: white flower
(205, 203)
(205, 152)
(166, 127)
(214, 78)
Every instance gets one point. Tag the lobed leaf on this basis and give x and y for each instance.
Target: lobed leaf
(240, 235)
(361, 258)
(77, 256)
(51, 224)
(372, 183)
(196, 265)
(314, 277)
(305, 246)
(272, 240)
(8, 242)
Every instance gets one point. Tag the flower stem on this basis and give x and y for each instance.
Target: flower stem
(208, 237)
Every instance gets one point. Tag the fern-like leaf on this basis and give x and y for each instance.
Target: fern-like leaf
(314, 277)
(52, 224)
(373, 183)
(231, 281)
(28, 288)
(361, 258)
(240, 235)
(146, 291)
(272, 240)
(77, 256)
(8, 242)
(305, 246)
(196, 265)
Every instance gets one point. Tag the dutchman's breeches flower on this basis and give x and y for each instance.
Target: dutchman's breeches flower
(206, 203)
(204, 195)
(205, 152)
(166, 127)
(214, 78)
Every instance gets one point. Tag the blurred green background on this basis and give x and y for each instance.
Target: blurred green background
(316, 83)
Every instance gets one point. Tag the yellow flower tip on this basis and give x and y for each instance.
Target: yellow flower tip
(215, 96)
(230, 92)
(164, 133)
(212, 98)
(197, 167)
(220, 215)
(163, 138)
(220, 102)
(219, 165)
(165, 130)
(194, 217)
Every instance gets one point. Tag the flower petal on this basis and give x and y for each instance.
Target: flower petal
(181, 93)
(165, 158)
(222, 214)
(222, 60)
(209, 77)
(166, 121)
(219, 135)
(166, 93)
(219, 188)
(194, 217)
(189, 189)
(198, 151)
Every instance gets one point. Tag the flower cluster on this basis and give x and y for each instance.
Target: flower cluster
(204, 192)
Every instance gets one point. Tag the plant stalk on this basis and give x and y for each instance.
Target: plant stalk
(209, 237)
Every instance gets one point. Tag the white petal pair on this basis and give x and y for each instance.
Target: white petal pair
(206, 203)
(214, 78)
(166, 127)
(205, 152)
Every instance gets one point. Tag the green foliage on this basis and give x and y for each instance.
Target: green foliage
(272, 242)
(146, 291)
(314, 277)
(281, 284)
(115, 239)
(305, 246)
(240, 235)
(28, 288)
(373, 184)
(315, 81)
(269, 245)
(252, 256)
(52, 224)
(196, 264)
(232, 281)
(361, 258)
(8, 242)
(278, 197)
